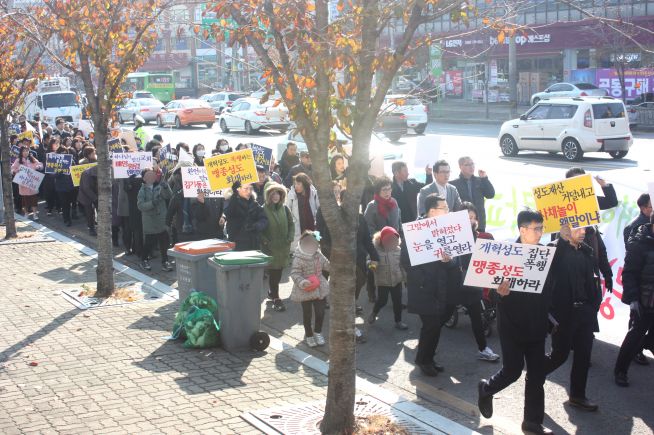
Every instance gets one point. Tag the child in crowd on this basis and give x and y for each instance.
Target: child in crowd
(310, 287)
(388, 274)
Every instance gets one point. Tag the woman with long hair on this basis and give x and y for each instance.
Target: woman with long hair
(29, 197)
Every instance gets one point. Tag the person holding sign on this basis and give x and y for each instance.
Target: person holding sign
(609, 199)
(65, 190)
(29, 197)
(245, 218)
(522, 324)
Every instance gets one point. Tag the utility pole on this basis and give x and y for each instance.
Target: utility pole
(513, 76)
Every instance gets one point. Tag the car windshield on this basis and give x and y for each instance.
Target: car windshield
(194, 103)
(149, 102)
(405, 101)
(234, 97)
(608, 110)
(59, 100)
(585, 86)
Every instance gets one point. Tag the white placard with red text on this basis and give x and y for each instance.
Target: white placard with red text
(195, 180)
(28, 178)
(127, 164)
(524, 266)
(428, 239)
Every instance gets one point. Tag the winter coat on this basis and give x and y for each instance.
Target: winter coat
(389, 271)
(634, 226)
(638, 271)
(132, 187)
(407, 197)
(245, 222)
(376, 222)
(153, 203)
(287, 162)
(276, 239)
(610, 198)
(292, 202)
(305, 265)
(297, 169)
(482, 189)
(123, 199)
(37, 166)
(451, 197)
(115, 219)
(63, 183)
(260, 190)
(206, 217)
(88, 187)
(365, 247)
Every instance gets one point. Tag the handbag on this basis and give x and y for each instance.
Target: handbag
(314, 280)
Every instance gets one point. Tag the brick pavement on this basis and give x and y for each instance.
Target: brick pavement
(109, 370)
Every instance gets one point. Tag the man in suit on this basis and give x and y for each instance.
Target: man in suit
(474, 189)
(441, 188)
(405, 190)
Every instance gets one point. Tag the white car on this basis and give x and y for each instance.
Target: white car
(573, 126)
(412, 108)
(569, 90)
(148, 108)
(249, 115)
(221, 100)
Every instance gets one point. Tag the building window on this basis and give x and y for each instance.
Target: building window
(583, 58)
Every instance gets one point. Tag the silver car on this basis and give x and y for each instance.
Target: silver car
(146, 107)
(568, 90)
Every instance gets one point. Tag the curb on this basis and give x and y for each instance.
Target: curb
(395, 401)
(467, 121)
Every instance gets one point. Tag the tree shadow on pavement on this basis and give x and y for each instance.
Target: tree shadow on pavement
(286, 364)
(161, 320)
(79, 273)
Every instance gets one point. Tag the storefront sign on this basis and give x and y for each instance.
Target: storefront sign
(636, 81)
(28, 178)
(453, 81)
(226, 169)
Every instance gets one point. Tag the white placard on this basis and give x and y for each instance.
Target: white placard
(650, 189)
(428, 150)
(428, 239)
(127, 164)
(28, 178)
(524, 266)
(184, 156)
(195, 180)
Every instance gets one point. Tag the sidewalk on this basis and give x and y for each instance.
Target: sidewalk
(110, 370)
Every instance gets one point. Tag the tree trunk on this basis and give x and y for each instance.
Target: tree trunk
(7, 191)
(105, 270)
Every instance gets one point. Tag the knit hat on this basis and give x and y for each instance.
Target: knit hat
(387, 232)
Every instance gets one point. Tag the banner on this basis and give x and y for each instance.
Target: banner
(127, 164)
(58, 163)
(167, 159)
(428, 239)
(524, 266)
(226, 169)
(115, 146)
(571, 201)
(29, 134)
(14, 151)
(262, 156)
(76, 172)
(28, 178)
(195, 180)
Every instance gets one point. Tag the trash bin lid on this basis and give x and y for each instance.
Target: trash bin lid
(209, 246)
(241, 258)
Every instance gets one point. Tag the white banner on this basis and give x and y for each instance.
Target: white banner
(127, 164)
(195, 180)
(28, 178)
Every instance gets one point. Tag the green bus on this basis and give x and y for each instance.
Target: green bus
(161, 85)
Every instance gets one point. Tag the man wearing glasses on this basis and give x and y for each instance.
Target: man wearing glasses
(440, 187)
(474, 189)
(523, 324)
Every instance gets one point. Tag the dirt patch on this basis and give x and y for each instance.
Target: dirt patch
(130, 293)
(378, 425)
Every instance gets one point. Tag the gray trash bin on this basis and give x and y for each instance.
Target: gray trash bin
(239, 278)
(193, 272)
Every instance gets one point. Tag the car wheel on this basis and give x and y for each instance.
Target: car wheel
(572, 151)
(508, 146)
(420, 129)
(223, 126)
(394, 137)
(618, 154)
(159, 121)
(248, 128)
(535, 101)
(178, 123)
(209, 124)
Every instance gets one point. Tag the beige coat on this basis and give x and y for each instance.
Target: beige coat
(303, 266)
(389, 273)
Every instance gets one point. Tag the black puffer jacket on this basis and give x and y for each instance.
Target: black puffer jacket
(246, 220)
(638, 269)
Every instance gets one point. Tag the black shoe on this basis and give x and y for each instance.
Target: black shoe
(93, 232)
(372, 318)
(166, 266)
(641, 359)
(583, 403)
(621, 379)
(145, 265)
(535, 428)
(437, 366)
(358, 309)
(428, 370)
(484, 401)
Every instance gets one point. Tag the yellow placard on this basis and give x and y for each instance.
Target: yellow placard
(29, 134)
(226, 169)
(571, 201)
(76, 172)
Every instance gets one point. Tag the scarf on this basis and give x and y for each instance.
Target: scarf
(385, 206)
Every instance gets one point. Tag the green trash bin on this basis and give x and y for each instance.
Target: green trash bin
(239, 278)
(193, 272)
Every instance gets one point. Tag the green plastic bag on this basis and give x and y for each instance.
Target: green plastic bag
(195, 321)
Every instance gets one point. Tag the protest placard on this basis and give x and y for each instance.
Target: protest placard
(650, 189)
(76, 172)
(427, 151)
(226, 169)
(14, 151)
(115, 146)
(58, 163)
(571, 201)
(428, 239)
(195, 180)
(262, 156)
(127, 164)
(28, 177)
(167, 159)
(524, 266)
(26, 135)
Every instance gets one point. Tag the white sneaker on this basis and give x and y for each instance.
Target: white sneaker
(320, 340)
(311, 341)
(488, 355)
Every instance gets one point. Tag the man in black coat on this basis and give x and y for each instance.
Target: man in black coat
(638, 293)
(303, 167)
(522, 324)
(474, 189)
(610, 198)
(645, 206)
(288, 160)
(405, 190)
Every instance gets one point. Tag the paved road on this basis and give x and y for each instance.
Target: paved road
(387, 356)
